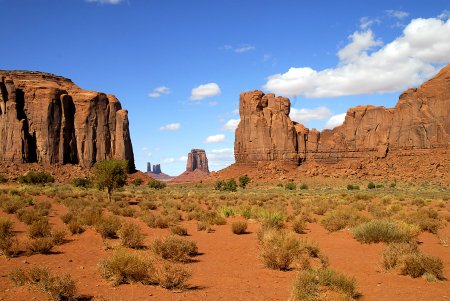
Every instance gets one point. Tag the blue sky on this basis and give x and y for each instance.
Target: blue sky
(178, 66)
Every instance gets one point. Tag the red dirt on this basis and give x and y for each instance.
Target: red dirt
(228, 267)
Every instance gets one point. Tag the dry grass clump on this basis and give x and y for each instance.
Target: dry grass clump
(122, 208)
(175, 248)
(11, 204)
(40, 228)
(156, 221)
(271, 219)
(130, 235)
(75, 227)
(108, 226)
(340, 218)
(8, 242)
(57, 287)
(124, 267)
(307, 285)
(239, 227)
(172, 276)
(426, 219)
(299, 225)
(385, 231)
(278, 249)
(40, 245)
(178, 230)
(412, 262)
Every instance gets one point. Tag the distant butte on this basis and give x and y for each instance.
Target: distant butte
(196, 167)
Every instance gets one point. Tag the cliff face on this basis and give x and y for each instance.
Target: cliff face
(420, 120)
(48, 119)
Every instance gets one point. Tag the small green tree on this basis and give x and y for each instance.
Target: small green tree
(243, 181)
(290, 186)
(371, 185)
(110, 174)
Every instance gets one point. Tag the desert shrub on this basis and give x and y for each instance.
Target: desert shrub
(137, 182)
(227, 211)
(59, 237)
(394, 253)
(379, 186)
(122, 208)
(40, 245)
(35, 177)
(416, 265)
(299, 225)
(219, 184)
(278, 249)
(340, 218)
(56, 286)
(156, 221)
(271, 219)
(3, 179)
(40, 228)
(7, 239)
(108, 226)
(174, 248)
(352, 187)
(89, 216)
(148, 205)
(239, 227)
(243, 181)
(172, 276)
(418, 202)
(75, 226)
(426, 220)
(303, 186)
(130, 235)
(371, 185)
(82, 182)
(155, 184)
(123, 267)
(392, 185)
(228, 185)
(290, 186)
(12, 204)
(385, 231)
(178, 230)
(308, 282)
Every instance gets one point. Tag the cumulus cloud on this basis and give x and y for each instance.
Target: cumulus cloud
(170, 127)
(407, 61)
(397, 14)
(158, 91)
(220, 157)
(106, 1)
(305, 115)
(335, 120)
(204, 91)
(240, 48)
(215, 138)
(168, 160)
(231, 125)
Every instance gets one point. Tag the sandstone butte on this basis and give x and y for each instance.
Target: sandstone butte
(418, 127)
(49, 120)
(196, 167)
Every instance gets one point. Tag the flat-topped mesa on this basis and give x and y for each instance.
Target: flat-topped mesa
(420, 120)
(48, 119)
(197, 160)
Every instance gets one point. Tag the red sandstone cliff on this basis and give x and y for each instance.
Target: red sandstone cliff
(420, 120)
(48, 119)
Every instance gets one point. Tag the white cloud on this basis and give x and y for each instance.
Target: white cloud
(335, 120)
(305, 115)
(215, 138)
(158, 91)
(235, 111)
(170, 127)
(366, 22)
(168, 160)
(106, 1)
(407, 61)
(183, 158)
(397, 13)
(231, 125)
(204, 91)
(220, 157)
(239, 48)
(444, 15)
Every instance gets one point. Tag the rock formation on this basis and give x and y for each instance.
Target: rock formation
(47, 119)
(197, 160)
(156, 169)
(419, 121)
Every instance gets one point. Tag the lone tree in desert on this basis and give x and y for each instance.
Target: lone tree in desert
(110, 174)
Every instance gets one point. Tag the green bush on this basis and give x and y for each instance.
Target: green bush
(290, 186)
(36, 177)
(352, 187)
(3, 179)
(243, 181)
(82, 182)
(385, 231)
(137, 182)
(371, 185)
(304, 186)
(110, 175)
(155, 184)
(228, 185)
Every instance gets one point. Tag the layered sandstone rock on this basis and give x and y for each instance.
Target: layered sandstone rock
(48, 119)
(197, 160)
(420, 120)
